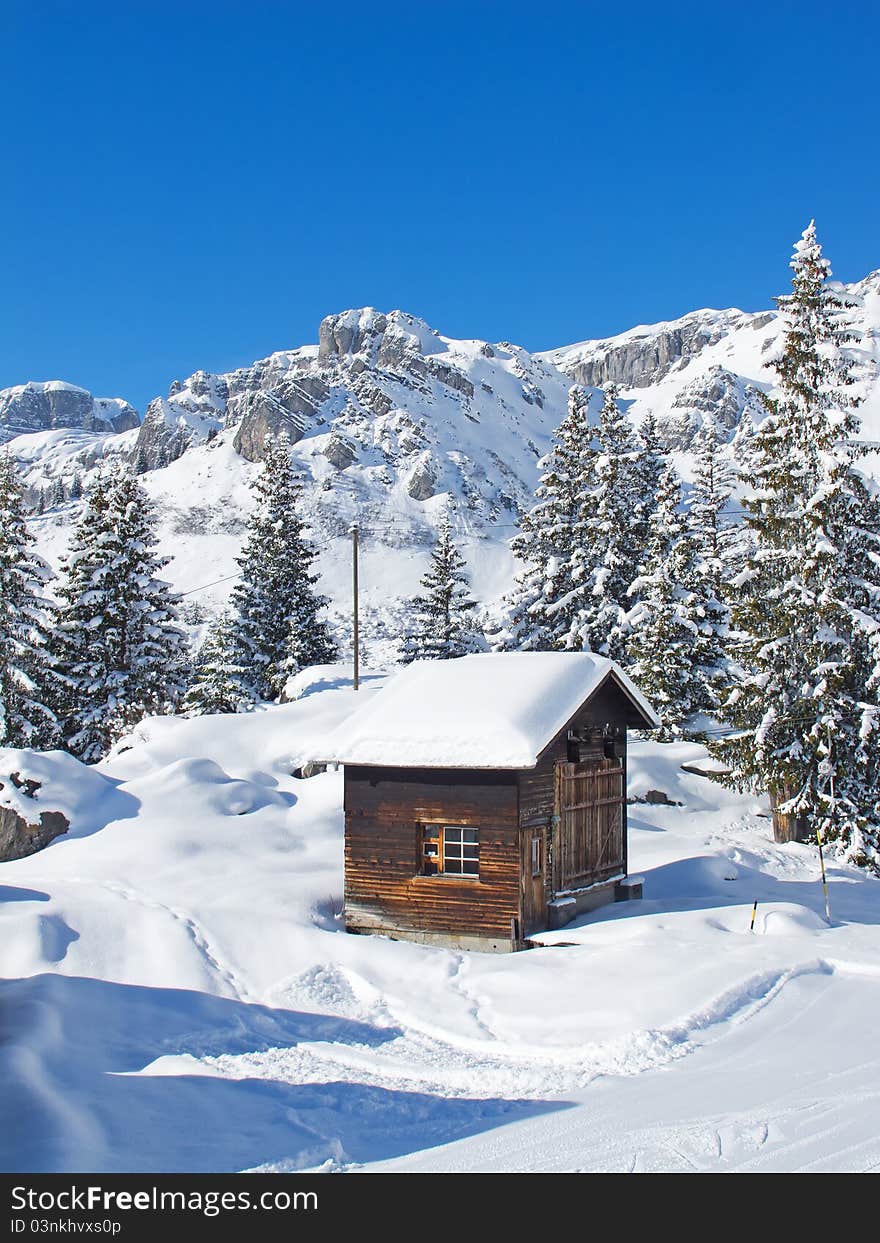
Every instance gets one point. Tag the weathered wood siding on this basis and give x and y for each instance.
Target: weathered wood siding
(385, 809)
(592, 808)
(384, 889)
(539, 795)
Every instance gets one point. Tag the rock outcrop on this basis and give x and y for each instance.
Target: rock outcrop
(719, 394)
(49, 405)
(25, 832)
(642, 357)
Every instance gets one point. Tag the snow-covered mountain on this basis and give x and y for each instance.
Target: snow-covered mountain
(715, 362)
(37, 407)
(391, 424)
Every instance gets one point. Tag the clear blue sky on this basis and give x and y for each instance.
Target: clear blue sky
(196, 184)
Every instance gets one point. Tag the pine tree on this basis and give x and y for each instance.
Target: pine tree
(218, 683)
(614, 528)
(26, 675)
(664, 626)
(553, 539)
(119, 649)
(712, 540)
(650, 463)
(808, 598)
(276, 609)
(57, 494)
(711, 491)
(76, 487)
(442, 618)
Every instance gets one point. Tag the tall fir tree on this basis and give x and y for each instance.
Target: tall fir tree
(442, 617)
(808, 598)
(27, 679)
(218, 683)
(614, 528)
(709, 497)
(275, 605)
(554, 539)
(119, 648)
(664, 626)
(712, 538)
(650, 463)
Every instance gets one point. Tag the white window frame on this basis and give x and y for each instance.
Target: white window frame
(466, 853)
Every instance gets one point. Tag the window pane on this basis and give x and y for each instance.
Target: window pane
(471, 852)
(470, 867)
(453, 865)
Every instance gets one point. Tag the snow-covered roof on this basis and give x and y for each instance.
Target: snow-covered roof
(486, 711)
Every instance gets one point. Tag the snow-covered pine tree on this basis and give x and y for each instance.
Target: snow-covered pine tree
(614, 528)
(553, 539)
(664, 626)
(712, 540)
(27, 680)
(710, 493)
(442, 622)
(76, 487)
(275, 606)
(57, 494)
(218, 682)
(119, 649)
(808, 600)
(650, 465)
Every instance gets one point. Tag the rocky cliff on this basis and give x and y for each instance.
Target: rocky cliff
(50, 405)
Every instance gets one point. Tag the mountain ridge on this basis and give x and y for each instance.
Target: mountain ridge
(393, 425)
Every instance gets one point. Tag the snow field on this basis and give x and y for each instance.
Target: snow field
(179, 995)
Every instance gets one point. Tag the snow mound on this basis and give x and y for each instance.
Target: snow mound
(86, 797)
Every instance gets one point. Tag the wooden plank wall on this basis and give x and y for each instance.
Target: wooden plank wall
(384, 809)
(538, 789)
(592, 800)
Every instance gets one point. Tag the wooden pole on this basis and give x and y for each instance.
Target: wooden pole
(754, 913)
(824, 882)
(354, 581)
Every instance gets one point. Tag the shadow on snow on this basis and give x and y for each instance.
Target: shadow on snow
(71, 1047)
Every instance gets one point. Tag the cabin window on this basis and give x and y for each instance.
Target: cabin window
(450, 850)
(536, 856)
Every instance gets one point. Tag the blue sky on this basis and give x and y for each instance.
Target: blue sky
(196, 184)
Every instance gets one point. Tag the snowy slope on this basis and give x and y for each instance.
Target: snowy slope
(178, 993)
(394, 423)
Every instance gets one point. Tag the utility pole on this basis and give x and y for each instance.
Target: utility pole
(354, 582)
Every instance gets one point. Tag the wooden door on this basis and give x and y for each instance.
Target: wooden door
(591, 806)
(533, 863)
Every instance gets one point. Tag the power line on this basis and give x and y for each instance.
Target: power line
(204, 587)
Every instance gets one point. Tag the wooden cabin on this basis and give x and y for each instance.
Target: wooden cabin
(485, 797)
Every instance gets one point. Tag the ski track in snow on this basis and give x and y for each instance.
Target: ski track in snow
(427, 1059)
(232, 985)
